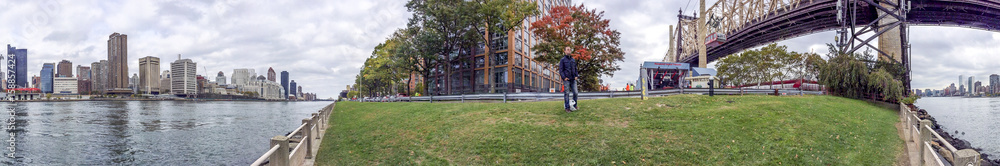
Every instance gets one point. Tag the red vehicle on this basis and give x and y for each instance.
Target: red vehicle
(715, 39)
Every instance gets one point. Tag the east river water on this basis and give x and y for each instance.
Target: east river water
(145, 132)
(976, 120)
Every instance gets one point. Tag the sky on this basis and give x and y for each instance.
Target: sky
(324, 43)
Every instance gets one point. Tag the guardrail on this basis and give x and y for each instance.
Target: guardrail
(304, 137)
(598, 95)
(919, 133)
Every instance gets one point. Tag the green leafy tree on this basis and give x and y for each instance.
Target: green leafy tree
(498, 17)
(595, 45)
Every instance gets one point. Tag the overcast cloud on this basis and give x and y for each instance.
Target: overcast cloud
(323, 43)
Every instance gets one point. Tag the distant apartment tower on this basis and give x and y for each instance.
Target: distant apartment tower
(184, 80)
(99, 77)
(17, 67)
(271, 76)
(994, 82)
(36, 82)
(83, 79)
(149, 75)
(291, 88)
(83, 72)
(284, 83)
(118, 63)
(299, 91)
(220, 79)
(46, 78)
(64, 69)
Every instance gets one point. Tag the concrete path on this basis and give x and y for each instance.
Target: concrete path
(910, 155)
(315, 146)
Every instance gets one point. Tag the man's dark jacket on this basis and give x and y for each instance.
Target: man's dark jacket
(567, 68)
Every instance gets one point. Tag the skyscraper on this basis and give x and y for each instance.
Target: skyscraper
(183, 82)
(994, 82)
(149, 75)
(299, 92)
(284, 82)
(36, 82)
(291, 88)
(220, 79)
(970, 86)
(46, 78)
(270, 75)
(64, 69)
(17, 67)
(118, 63)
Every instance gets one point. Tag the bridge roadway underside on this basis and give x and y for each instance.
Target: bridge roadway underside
(821, 15)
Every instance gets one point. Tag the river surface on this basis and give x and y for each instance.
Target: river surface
(146, 132)
(977, 120)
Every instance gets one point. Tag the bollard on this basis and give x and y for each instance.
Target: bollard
(925, 136)
(280, 157)
(463, 98)
(504, 97)
(308, 137)
(966, 157)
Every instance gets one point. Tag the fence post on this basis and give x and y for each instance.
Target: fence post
(280, 157)
(315, 123)
(966, 157)
(307, 135)
(504, 97)
(925, 136)
(463, 98)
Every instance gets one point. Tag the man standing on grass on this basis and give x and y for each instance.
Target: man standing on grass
(567, 68)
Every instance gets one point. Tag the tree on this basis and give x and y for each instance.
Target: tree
(595, 45)
(767, 64)
(438, 31)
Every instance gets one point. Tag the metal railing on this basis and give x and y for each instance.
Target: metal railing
(304, 136)
(598, 95)
(918, 132)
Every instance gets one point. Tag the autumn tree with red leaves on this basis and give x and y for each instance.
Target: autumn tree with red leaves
(595, 45)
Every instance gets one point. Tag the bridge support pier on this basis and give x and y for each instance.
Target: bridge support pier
(702, 34)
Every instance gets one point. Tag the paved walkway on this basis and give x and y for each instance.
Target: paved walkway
(315, 146)
(911, 155)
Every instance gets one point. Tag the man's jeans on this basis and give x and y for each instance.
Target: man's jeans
(570, 87)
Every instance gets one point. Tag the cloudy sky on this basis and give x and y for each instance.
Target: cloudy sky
(323, 43)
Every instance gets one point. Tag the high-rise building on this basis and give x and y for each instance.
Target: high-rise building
(47, 73)
(99, 77)
(64, 69)
(291, 88)
(299, 91)
(284, 83)
(83, 79)
(271, 76)
(220, 79)
(509, 68)
(36, 82)
(994, 83)
(184, 80)
(133, 83)
(961, 81)
(149, 75)
(970, 86)
(83, 72)
(17, 67)
(118, 63)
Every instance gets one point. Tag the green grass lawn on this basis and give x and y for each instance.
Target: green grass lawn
(675, 130)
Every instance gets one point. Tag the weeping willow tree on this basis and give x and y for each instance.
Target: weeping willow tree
(861, 76)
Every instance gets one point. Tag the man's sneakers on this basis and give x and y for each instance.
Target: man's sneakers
(568, 111)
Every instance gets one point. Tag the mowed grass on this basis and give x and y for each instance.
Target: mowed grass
(675, 130)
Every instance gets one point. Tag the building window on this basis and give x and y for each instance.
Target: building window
(500, 75)
(500, 58)
(517, 45)
(517, 60)
(480, 62)
(479, 77)
(517, 76)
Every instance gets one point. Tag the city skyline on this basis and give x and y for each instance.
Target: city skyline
(324, 43)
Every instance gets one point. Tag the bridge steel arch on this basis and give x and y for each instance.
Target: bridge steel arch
(752, 23)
